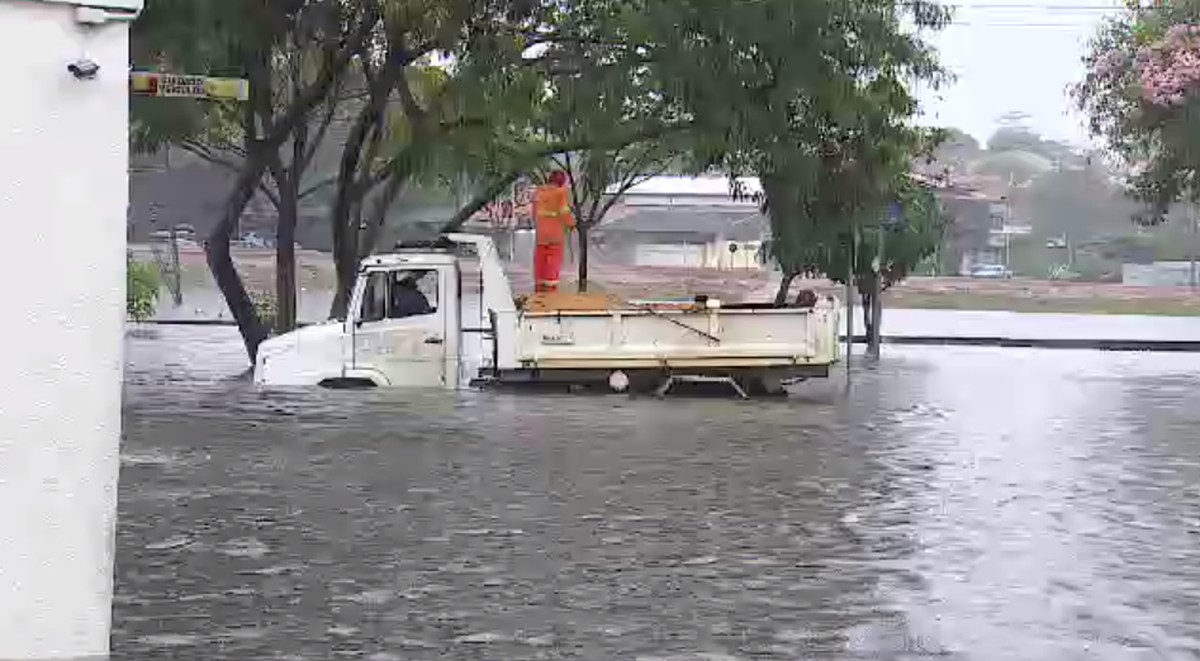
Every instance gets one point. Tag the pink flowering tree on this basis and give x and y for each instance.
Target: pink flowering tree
(1141, 95)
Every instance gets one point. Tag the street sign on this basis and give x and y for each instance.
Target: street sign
(194, 87)
(894, 216)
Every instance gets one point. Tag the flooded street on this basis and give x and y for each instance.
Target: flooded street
(977, 504)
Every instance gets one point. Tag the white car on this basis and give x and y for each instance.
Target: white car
(990, 272)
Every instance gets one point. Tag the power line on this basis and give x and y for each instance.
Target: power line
(1028, 6)
(1024, 16)
(1015, 24)
(1056, 8)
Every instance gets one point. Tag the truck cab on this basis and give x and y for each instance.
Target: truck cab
(402, 328)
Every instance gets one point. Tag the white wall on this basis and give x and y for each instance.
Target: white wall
(683, 200)
(673, 255)
(717, 255)
(1158, 274)
(63, 198)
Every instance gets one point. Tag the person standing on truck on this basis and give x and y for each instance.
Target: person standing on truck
(552, 220)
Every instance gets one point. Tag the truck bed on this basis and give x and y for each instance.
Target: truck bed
(665, 337)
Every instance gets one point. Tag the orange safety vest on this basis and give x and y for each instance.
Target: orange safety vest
(552, 214)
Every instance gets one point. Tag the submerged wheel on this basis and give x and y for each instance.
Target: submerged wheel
(771, 385)
(346, 384)
(762, 385)
(618, 381)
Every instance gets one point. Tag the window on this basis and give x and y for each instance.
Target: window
(400, 294)
(403, 286)
(375, 296)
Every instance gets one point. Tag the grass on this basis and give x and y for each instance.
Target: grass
(1116, 306)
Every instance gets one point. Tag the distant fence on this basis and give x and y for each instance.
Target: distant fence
(1157, 274)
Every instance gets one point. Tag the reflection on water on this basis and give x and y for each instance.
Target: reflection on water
(972, 503)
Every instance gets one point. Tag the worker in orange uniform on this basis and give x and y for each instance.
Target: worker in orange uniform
(552, 220)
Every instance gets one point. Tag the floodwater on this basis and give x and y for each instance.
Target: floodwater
(961, 503)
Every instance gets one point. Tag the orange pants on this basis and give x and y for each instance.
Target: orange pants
(547, 263)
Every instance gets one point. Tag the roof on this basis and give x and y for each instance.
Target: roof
(392, 260)
(733, 224)
(709, 186)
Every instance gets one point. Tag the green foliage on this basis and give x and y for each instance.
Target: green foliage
(815, 94)
(264, 304)
(805, 247)
(141, 289)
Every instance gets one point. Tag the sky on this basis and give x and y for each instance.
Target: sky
(1014, 55)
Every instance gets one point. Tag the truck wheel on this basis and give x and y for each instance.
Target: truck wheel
(771, 385)
(346, 384)
(645, 382)
(618, 381)
(765, 385)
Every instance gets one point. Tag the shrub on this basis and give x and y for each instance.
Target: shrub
(264, 306)
(141, 289)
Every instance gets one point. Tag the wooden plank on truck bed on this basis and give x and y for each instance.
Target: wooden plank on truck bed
(593, 302)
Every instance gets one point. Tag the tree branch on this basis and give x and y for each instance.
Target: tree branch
(322, 129)
(338, 60)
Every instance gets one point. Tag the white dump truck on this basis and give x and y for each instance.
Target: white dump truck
(409, 324)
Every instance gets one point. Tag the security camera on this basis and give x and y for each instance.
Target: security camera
(83, 69)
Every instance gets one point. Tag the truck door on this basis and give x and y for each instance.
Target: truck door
(400, 331)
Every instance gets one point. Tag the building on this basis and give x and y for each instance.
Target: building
(978, 218)
(696, 222)
(63, 164)
(687, 236)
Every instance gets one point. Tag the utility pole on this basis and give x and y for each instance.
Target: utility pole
(1192, 220)
(1005, 228)
(850, 299)
(177, 283)
(876, 312)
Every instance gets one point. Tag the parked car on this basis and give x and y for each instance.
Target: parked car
(254, 240)
(990, 271)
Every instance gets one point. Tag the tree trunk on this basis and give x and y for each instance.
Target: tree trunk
(346, 273)
(350, 187)
(872, 314)
(582, 231)
(785, 287)
(285, 259)
(380, 206)
(220, 260)
(864, 297)
(878, 323)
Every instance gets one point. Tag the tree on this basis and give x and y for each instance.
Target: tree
(839, 253)
(819, 110)
(600, 177)
(1140, 94)
(758, 88)
(247, 39)
(477, 118)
